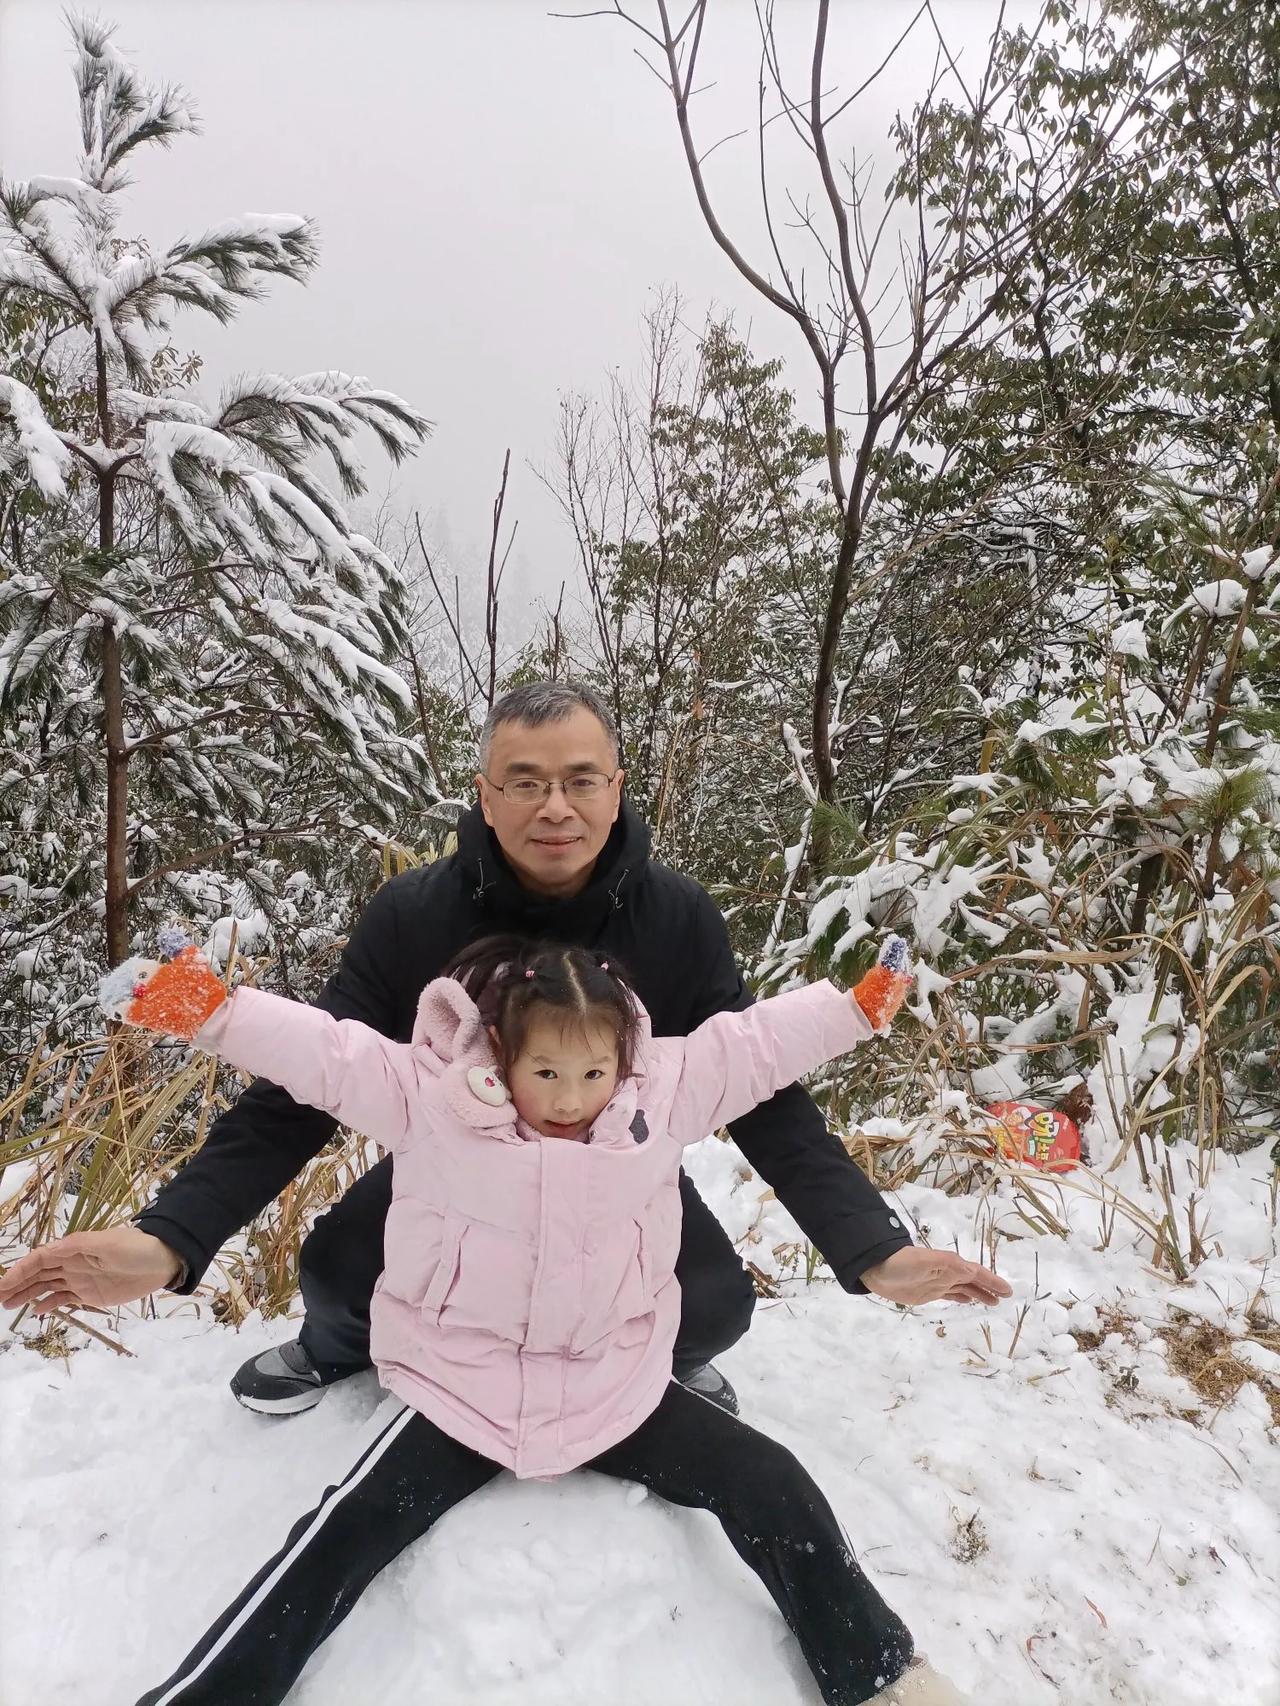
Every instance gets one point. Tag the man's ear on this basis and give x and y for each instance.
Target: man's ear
(484, 803)
(619, 779)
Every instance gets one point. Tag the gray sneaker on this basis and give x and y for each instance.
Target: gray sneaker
(708, 1382)
(279, 1382)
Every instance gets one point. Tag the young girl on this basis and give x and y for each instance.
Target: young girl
(528, 1306)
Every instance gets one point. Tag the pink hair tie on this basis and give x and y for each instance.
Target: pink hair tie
(529, 972)
(604, 965)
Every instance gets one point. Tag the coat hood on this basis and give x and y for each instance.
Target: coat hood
(447, 1027)
(448, 1023)
(498, 893)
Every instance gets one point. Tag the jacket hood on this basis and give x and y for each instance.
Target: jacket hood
(495, 889)
(448, 1023)
(448, 1026)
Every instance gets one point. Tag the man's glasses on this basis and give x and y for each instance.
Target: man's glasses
(533, 790)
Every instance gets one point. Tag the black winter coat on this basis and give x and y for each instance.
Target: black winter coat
(667, 932)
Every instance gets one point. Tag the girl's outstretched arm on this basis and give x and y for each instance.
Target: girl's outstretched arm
(735, 1061)
(350, 1070)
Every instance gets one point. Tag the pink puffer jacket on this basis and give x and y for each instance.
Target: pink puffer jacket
(528, 1304)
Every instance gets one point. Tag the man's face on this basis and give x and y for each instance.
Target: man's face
(552, 845)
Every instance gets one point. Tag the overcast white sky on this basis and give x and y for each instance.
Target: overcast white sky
(498, 192)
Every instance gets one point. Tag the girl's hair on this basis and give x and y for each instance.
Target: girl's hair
(508, 977)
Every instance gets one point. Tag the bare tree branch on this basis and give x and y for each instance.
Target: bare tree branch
(465, 665)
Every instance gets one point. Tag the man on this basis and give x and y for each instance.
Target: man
(551, 850)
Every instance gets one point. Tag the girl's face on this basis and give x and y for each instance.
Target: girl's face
(565, 1075)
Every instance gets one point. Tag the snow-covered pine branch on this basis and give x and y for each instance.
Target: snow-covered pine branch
(38, 450)
(286, 420)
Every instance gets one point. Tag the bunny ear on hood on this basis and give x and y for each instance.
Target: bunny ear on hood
(448, 1028)
(449, 1024)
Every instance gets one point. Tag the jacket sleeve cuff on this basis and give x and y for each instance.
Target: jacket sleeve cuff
(896, 1237)
(194, 1257)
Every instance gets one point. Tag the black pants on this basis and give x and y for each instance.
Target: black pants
(342, 1258)
(689, 1451)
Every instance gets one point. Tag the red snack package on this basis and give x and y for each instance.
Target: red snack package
(1041, 1137)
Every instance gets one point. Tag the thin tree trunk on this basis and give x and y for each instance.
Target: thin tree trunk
(117, 883)
(117, 899)
(824, 680)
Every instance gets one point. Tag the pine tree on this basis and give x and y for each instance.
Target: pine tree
(188, 616)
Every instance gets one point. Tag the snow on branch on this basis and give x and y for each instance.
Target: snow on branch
(1217, 599)
(62, 228)
(286, 420)
(46, 458)
(28, 272)
(399, 427)
(218, 497)
(74, 191)
(134, 408)
(216, 272)
(224, 262)
(39, 258)
(21, 655)
(315, 633)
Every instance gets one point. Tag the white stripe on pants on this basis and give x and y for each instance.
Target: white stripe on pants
(392, 1432)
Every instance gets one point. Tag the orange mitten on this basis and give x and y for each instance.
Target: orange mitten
(175, 997)
(883, 990)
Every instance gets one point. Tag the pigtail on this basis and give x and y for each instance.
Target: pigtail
(506, 976)
(487, 969)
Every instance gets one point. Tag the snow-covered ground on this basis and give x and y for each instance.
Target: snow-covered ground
(1050, 1525)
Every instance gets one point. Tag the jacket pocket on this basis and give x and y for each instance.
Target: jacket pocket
(616, 1284)
(445, 1277)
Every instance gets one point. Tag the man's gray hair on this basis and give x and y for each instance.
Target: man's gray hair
(539, 702)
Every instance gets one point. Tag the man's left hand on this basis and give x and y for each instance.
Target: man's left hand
(913, 1275)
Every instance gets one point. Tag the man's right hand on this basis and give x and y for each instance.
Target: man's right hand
(94, 1270)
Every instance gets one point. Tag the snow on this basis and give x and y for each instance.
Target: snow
(928, 984)
(1030, 731)
(981, 781)
(934, 897)
(1256, 563)
(1141, 703)
(248, 934)
(267, 231)
(1004, 1077)
(1131, 1556)
(352, 662)
(47, 458)
(102, 456)
(1183, 780)
(1148, 1036)
(1220, 598)
(1130, 640)
(1215, 598)
(133, 406)
(74, 191)
(798, 754)
(1124, 776)
(27, 270)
